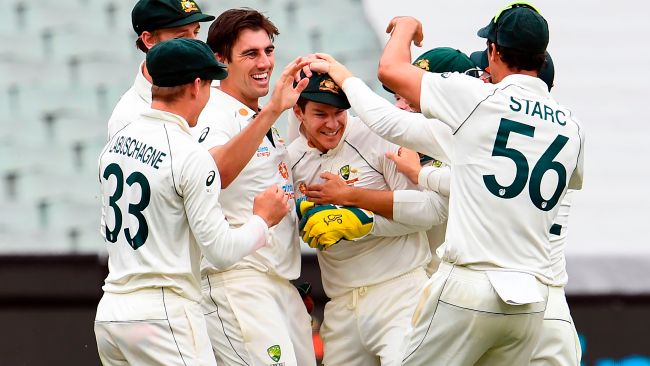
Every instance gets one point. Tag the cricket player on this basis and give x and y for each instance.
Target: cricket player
(161, 212)
(374, 269)
(515, 150)
(154, 21)
(558, 343)
(255, 315)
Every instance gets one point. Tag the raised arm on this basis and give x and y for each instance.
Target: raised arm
(232, 157)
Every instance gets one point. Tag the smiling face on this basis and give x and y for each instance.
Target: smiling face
(250, 67)
(322, 124)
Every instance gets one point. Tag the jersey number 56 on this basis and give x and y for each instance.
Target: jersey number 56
(544, 164)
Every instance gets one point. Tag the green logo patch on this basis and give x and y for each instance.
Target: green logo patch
(274, 352)
(345, 172)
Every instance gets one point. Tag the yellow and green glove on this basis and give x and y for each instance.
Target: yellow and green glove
(322, 226)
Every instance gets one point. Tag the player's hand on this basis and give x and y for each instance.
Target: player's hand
(407, 162)
(333, 190)
(410, 25)
(325, 63)
(271, 205)
(285, 94)
(325, 225)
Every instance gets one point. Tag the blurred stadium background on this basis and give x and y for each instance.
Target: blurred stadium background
(64, 64)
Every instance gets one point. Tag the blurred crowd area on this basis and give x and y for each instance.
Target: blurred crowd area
(63, 67)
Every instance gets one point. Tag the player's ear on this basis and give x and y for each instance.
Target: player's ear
(298, 112)
(148, 38)
(220, 58)
(196, 87)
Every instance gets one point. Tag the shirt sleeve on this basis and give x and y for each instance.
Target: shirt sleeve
(411, 130)
(575, 182)
(215, 127)
(413, 210)
(435, 179)
(200, 186)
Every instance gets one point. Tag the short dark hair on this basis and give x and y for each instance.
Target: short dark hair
(520, 60)
(225, 29)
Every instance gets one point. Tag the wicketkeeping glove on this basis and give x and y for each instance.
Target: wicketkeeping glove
(325, 225)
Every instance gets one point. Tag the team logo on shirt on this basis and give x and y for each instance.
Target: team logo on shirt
(274, 352)
(210, 180)
(445, 75)
(329, 85)
(189, 6)
(282, 167)
(345, 173)
(263, 151)
(423, 64)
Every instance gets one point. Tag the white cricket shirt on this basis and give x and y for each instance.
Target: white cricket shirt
(160, 209)
(515, 152)
(221, 120)
(132, 103)
(392, 248)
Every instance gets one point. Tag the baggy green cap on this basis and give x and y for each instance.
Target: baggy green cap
(149, 15)
(180, 61)
(323, 89)
(519, 26)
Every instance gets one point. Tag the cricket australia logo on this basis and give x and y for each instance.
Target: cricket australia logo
(345, 172)
(274, 352)
(423, 64)
(189, 6)
(329, 85)
(338, 218)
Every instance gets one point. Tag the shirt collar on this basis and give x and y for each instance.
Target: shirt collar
(156, 115)
(534, 84)
(222, 99)
(142, 85)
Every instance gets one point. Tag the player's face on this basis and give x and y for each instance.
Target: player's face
(403, 104)
(190, 31)
(250, 67)
(323, 124)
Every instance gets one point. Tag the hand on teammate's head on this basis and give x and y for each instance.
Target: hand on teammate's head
(285, 94)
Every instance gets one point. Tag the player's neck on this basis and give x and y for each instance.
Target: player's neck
(180, 108)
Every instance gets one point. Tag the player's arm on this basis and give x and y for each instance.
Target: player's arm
(411, 130)
(426, 208)
(232, 157)
(199, 185)
(575, 182)
(435, 179)
(335, 191)
(395, 69)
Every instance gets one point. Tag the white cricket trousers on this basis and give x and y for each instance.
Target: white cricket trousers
(366, 326)
(151, 327)
(558, 343)
(254, 318)
(461, 320)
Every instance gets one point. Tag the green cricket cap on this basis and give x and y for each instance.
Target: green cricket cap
(442, 59)
(149, 15)
(180, 61)
(323, 89)
(519, 26)
(546, 73)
